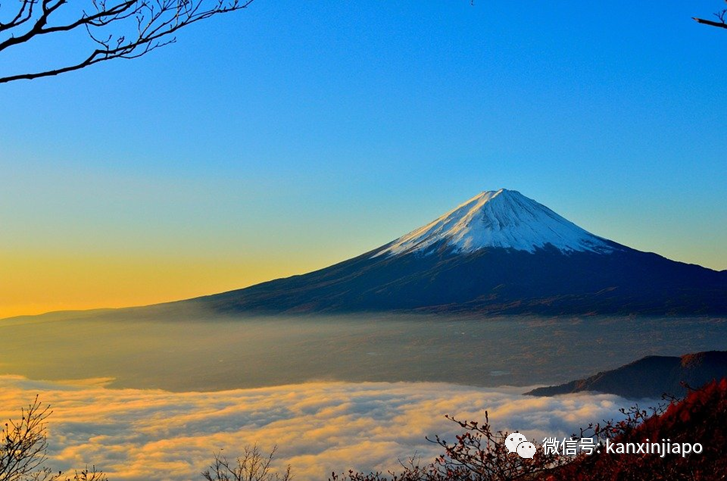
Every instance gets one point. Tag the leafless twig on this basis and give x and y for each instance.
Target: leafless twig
(117, 28)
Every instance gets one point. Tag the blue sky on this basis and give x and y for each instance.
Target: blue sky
(295, 134)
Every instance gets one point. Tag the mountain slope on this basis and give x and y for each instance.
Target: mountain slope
(498, 253)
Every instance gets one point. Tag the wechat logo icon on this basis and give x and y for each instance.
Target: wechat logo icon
(518, 443)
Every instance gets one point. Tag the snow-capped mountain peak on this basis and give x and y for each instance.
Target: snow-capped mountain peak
(503, 218)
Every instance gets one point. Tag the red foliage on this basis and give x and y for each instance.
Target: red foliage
(699, 418)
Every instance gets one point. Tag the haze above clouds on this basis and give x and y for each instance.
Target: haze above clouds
(200, 352)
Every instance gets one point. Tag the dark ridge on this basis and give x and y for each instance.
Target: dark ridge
(649, 377)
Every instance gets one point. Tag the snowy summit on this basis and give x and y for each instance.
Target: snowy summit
(505, 219)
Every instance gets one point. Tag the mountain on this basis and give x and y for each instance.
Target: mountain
(498, 253)
(650, 377)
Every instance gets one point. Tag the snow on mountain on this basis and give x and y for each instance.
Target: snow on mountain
(503, 218)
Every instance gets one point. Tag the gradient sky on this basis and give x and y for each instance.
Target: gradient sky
(296, 134)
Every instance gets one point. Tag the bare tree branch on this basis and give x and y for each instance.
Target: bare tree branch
(120, 29)
(23, 445)
(23, 448)
(710, 22)
(721, 15)
(252, 466)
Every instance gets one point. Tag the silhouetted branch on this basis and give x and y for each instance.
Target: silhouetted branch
(23, 448)
(120, 29)
(710, 22)
(720, 17)
(23, 445)
(252, 466)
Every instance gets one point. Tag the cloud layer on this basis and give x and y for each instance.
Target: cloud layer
(135, 434)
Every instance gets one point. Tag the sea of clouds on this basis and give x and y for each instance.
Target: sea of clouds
(135, 434)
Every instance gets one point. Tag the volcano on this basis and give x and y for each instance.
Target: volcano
(498, 253)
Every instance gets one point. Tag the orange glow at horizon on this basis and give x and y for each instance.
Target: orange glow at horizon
(35, 284)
